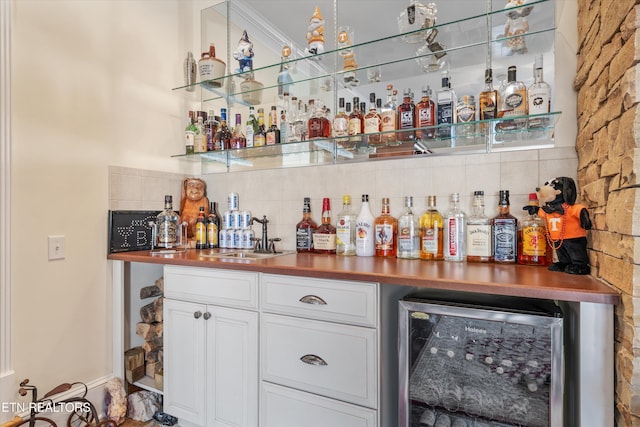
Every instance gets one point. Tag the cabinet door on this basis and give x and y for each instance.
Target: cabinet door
(232, 367)
(184, 360)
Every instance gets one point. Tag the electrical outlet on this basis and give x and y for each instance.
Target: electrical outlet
(57, 247)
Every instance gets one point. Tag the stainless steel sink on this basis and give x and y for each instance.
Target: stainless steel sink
(248, 255)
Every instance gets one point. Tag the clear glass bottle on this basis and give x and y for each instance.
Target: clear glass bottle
(539, 96)
(431, 232)
(223, 137)
(488, 102)
(408, 240)
(213, 226)
(167, 222)
(372, 121)
(445, 104)
(251, 127)
(260, 137)
(201, 230)
(389, 117)
(346, 228)
(365, 232)
(425, 116)
(455, 233)
(465, 116)
(305, 228)
(533, 248)
(406, 118)
(341, 123)
(189, 135)
(505, 232)
(324, 238)
(238, 139)
(386, 230)
(514, 102)
(272, 135)
(479, 235)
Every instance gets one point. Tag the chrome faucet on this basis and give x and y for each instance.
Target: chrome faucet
(264, 245)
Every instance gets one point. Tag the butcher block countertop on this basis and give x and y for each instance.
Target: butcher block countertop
(513, 280)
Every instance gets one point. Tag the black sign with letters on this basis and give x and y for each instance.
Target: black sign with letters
(130, 230)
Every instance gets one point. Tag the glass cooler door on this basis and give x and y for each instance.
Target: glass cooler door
(465, 364)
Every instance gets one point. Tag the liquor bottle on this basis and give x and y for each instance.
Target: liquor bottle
(200, 137)
(213, 226)
(431, 232)
(346, 229)
(514, 102)
(201, 230)
(408, 241)
(324, 238)
(223, 137)
(372, 121)
(406, 118)
(389, 117)
(299, 123)
(425, 116)
(455, 233)
(446, 102)
(210, 129)
(365, 238)
(260, 137)
(539, 95)
(479, 235)
(272, 136)
(305, 229)
(167, 222)
(533, 248)
(465, 116)
(251, 127)
(318, 125)
(386, 229)
(341, 123)
(488, 101)
(189, 135)
(286, 125)
(238, 139)
(505, 232)
(356, 122)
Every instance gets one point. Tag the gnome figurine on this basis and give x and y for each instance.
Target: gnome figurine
(315, 33)
(244, 54)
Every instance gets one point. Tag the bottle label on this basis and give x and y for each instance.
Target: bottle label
(453, 242)
(258, 140)
(445, 113)
(515, 103)
(304, 238)
(430, 241)
(201, 234)
(372, 125)
(406, 119)
(324, 242)
(250, 134)
(479, 240)
(271, 138)
(538, 101)
(189, 138)
(534, 241)
(504, 240)
(212, 235)
(388, 120)
(343, 232)
(384, 236)
(354, 126)
(406, 239)
(425, 118)
(364, 239)
(167, 231)
(466, 114)
(340, 126)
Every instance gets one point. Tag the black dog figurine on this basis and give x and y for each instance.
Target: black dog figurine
(567, 224)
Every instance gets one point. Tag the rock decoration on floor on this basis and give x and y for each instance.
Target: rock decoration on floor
(115, 401)
(142, 405)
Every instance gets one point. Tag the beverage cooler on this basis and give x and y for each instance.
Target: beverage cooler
(470, 360)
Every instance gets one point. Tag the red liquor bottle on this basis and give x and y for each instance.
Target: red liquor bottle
(406, 118)
(324, 239)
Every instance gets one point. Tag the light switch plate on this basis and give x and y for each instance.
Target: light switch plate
(57, 247)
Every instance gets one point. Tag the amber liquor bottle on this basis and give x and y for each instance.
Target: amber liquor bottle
(389, 117)
(318, 125)
(213, 226)
(341, 122)
(201, 230)
(324, 238)
(533, 248)
(406, 118)
(488, 102)
(505, 232)
(260, 137)
(238, 139)
(305, 229)
(223, 136)
(356, 122)
(372, 121)
(386, 230)
(425, 116)
(272, 136)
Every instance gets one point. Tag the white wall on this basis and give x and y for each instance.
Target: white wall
(91, 84)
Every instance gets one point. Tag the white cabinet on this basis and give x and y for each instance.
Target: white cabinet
(211, 350)
(324, 360)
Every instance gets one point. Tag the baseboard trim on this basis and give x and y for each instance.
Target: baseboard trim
(7, 394)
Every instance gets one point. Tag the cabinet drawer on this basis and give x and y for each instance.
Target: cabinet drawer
(334, 300)
(211, 286)
(337, 361)
(283, 407)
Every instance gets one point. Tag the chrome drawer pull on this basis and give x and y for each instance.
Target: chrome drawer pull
(197, 314)
(312, 299)
(207, 315)
(312, 359)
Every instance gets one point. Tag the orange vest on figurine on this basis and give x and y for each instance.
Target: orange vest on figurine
(564, 226)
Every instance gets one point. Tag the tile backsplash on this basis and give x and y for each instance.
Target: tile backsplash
(278, 193)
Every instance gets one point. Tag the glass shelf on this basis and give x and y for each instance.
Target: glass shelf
(482, 136)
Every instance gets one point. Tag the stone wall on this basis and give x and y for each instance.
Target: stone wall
(608, 85)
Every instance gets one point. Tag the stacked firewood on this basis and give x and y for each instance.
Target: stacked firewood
(150, 328)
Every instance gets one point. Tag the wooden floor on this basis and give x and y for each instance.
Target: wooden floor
(132, 423)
